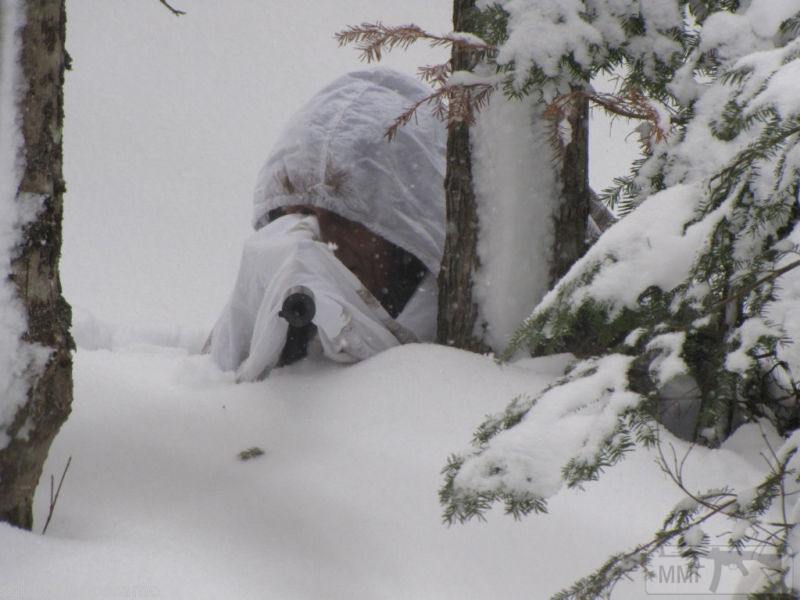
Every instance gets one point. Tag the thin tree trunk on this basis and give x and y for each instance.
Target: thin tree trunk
(35, 268)
(458, 311)
(571, 220)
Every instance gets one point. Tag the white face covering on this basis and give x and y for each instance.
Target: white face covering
(286, 254)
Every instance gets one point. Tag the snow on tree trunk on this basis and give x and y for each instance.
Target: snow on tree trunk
(517, 210)
(35, 344)
(517, 191)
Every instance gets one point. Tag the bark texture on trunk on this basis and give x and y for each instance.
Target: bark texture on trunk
(35, 267)
(571, 239)
(458, 311)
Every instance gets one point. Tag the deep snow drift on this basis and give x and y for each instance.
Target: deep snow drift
(342, 504)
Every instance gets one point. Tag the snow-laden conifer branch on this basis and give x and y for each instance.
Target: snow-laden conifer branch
(760, 527)
(695, 290)
(459, 101)
(739, 207)
(739, 294)
(504, 465)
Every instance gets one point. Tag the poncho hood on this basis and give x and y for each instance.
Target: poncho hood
(333, 154)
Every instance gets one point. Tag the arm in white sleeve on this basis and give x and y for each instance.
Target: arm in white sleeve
(250, 335)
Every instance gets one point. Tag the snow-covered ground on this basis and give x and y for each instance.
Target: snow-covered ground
(156, 503)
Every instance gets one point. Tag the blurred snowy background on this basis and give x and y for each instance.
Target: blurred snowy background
(168, 121)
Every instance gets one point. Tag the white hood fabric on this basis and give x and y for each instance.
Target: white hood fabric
(333, 154)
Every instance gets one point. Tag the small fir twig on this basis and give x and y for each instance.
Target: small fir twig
(172, 9)
(632, 105)
(54, 497)
(436, 75)
(739, 294)
(452, 103)
(706, 506)
(373, 39)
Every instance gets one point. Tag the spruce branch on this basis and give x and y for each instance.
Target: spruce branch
(633, 104)
(172, 9)
(372, 39)
(453, 103)
(435, 75)
(769, 144)
(741, 292)
(601, 583)
(704, 507)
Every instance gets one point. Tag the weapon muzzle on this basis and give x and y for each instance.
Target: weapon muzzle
(298, 307)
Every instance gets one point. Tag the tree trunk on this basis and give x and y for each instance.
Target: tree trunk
(572, 217)
(458, 311)
(35, 266)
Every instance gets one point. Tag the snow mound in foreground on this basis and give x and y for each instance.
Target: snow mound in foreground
(342, 504)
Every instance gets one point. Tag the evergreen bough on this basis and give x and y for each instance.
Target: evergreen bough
(729, 167)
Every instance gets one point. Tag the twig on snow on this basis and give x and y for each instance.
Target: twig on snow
(54, 497)
(172, 9)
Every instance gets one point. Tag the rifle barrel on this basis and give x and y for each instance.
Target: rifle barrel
(298, 307)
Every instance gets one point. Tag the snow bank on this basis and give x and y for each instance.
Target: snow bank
(93, 333)
(342, 504)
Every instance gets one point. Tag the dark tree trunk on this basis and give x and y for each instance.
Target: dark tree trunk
(35, 268)
(458, 311)
(571, 220)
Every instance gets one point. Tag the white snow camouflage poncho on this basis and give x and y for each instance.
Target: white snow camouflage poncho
(333, 155)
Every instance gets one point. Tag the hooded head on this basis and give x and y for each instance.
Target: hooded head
(333, 155)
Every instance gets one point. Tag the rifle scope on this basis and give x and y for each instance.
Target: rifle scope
(298, 307)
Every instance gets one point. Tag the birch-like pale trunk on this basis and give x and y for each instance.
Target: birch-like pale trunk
(34, 268)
